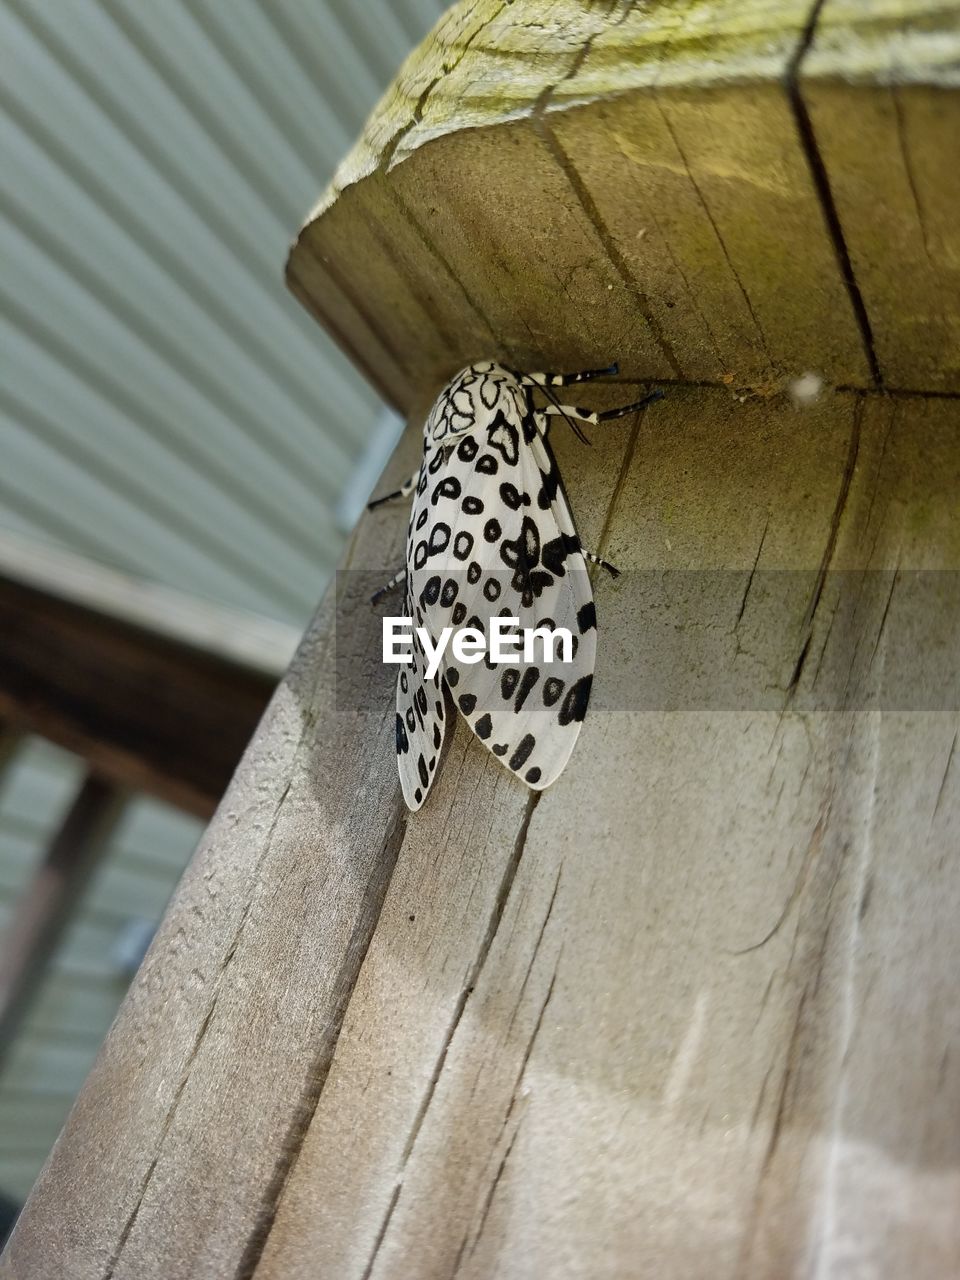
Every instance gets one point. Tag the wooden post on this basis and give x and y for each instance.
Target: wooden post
(691, 1012)
(153, 712)
(44, 908)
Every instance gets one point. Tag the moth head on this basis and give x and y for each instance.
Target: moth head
(473, 400)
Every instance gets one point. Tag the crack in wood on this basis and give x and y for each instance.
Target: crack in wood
(316, 1076)
(810, 854)
(911, 177)
(381, 1234)
(488, 1202)
(506, 884)
(886, 611)
(194, 1051)
(943, 780)
(821, 182)
(390, 149)
(716, 230)
(806, 626)
(467, 989)
(530, 1043)
(756, 561)
(628, 456)
(602, 232)
(535, 952)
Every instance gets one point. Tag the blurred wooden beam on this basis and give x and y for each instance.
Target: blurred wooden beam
(9, 745)
(146, 711)
(43, 910)
(247, 639)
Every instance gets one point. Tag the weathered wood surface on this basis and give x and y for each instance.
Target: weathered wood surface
(702, 1024)
(882, 84)
(602, 179)
(690, 1013)
(715, 192)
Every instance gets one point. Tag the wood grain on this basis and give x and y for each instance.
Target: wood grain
(458, 1040)
(669, 998)
(881, 85)
(589, 182)
(689, 1013)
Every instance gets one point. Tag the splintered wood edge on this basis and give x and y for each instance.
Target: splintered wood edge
(886, 42)
(481, 67)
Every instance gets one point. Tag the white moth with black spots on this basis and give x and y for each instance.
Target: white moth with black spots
(491, 533)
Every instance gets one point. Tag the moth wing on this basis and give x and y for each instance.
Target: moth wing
(519, 556)
(421, 722)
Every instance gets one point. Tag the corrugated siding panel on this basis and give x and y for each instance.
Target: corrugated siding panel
(164, 404)
(86, 982)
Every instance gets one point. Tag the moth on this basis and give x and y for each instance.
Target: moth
(491, 532)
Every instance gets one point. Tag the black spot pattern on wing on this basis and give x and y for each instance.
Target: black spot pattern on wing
(505, 544)
(575, 702)
(463, 544)
(549, 487)
(505, 438)
(587, 617)
(449, 487)
(524, 748)
(419, 721)
(558, 550)
(530, 677)
(552, 689)
(511, 496)
(439, 538)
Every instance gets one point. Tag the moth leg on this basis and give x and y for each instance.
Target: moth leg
(389, 586)
(612, 569)
(404, 491)
(594, 416)
(565, 379)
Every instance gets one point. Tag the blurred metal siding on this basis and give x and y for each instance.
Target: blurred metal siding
(87, 978)
(165, 405)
